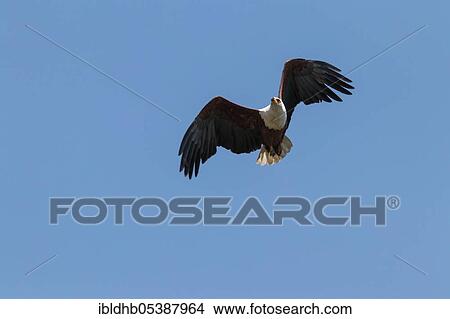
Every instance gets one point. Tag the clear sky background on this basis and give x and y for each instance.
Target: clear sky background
(67, 130)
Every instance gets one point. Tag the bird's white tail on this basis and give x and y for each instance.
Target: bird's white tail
(265, 157)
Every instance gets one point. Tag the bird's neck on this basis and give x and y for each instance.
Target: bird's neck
(274, 116)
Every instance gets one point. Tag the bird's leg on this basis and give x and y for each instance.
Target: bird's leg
(279, 149)
(272, 151)
(275, 150)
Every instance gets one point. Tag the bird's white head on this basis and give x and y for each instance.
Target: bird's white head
(274, 114)
(276, 101)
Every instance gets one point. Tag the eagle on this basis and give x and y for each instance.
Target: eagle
(243, 130)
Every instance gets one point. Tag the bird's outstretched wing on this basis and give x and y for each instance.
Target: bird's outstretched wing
(219, 123)
(310, 82)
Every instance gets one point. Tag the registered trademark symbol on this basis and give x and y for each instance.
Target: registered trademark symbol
(393, 202)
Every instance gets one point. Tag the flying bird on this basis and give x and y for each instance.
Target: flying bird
(244, 130)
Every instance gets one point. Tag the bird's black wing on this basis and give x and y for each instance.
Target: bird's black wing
(310, 82)
(219, 123)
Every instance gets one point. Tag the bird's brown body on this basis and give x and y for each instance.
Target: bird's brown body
(272, 139)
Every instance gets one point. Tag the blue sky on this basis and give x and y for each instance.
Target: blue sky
(66, 130)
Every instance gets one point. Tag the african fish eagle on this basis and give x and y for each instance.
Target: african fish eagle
(244, 130)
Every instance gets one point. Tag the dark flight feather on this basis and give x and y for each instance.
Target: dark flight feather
(310, 82)
(219, 123)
